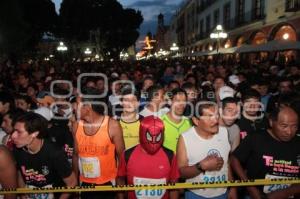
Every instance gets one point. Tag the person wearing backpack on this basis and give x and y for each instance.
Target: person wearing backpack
(149, 163)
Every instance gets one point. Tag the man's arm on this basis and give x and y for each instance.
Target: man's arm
(64, 170)
(8, 171)
(120, 181)
(238, 169)
(116, 135)
(122, 173)
(182, 161)
(174, 194)
(21, 184)
(173, 178)
(75, 151)
(210, 163)
(232, 194)
(70, 181)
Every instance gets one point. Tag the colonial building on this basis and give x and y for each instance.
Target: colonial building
(250, 22)
(161, 33)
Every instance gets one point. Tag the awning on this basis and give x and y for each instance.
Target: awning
(279, 45)
(202, 53)
(275, 45)
(223, 51)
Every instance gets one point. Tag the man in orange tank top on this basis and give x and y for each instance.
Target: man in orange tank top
(98, 144)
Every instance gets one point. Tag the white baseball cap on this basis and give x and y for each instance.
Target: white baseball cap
(234, 79)
(226, 91)
(45, 112)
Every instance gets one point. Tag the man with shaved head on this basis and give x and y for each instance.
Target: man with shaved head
(271, 155)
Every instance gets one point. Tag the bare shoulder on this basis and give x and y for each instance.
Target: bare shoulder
(113, 124)
(4, 150)
(5, 155)
(115, 128)
(75, 125)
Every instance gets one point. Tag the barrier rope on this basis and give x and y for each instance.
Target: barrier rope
(194, 185)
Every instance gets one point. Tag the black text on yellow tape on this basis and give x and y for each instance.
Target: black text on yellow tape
(195, 185)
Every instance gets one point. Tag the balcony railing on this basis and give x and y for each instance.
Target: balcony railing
(292, 5)
(246, 18)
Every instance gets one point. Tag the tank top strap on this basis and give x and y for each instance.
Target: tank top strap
(105, 124)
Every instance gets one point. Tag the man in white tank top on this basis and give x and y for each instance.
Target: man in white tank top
(202, 154)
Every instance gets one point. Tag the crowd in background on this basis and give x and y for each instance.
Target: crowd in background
(245, 100)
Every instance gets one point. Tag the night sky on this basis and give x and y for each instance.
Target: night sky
(150, 9)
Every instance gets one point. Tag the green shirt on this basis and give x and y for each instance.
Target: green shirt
(174, 130)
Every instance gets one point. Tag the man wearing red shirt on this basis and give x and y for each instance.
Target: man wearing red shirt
(149, 162)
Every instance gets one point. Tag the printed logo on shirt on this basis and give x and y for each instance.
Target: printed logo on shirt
(285, 168)
(45, 170)
(243, 134)
(68, 150)
(93, 149)
(214, 152)
(31, 175)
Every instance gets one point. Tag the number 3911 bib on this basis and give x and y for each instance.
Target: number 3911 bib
(89, 167)
(150, 193)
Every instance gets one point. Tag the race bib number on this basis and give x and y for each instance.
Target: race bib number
(40, 195)
(215, 176)
(212, 179)
(89, 167)
(149, 193)
(275, 187)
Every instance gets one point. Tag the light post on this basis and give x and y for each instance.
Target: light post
(87, 51)
(174, 47)
(286, 36)
(218, 34)
(62, 48)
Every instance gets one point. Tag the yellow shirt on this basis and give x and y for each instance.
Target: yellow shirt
(173, 131)
(130, 133)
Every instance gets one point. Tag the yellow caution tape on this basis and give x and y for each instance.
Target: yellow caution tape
(194, 185)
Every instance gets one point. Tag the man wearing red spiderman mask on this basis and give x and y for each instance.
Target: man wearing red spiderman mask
(149, 163)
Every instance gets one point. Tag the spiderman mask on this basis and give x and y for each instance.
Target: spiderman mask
(151, 134)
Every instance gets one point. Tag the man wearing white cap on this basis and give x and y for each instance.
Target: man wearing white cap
(224, 91)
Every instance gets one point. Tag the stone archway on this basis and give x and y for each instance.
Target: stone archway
(258, 37)
(284, 32)
(240, 41)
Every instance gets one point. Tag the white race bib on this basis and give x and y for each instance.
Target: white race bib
(150, 193)
(275, 187)
(89, 167)
(40, 195)
(215, 176)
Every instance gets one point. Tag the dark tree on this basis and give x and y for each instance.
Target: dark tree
(104, 22)
(24, 22)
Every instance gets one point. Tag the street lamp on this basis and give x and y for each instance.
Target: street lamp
(174, 47)
(62, 47)
(218, 34)
(87, 51)
(285, 36)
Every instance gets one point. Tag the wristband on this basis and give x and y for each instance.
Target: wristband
(198, 167)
